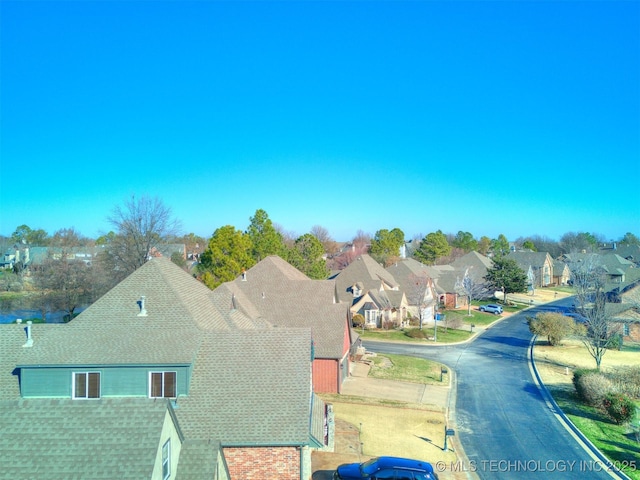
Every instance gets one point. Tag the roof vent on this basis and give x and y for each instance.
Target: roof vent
(263, 295)
(244, 276)
(29, 338)
(143, 310)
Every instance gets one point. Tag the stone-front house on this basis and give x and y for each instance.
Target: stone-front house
(416, 280)
(540, 263)
(381, 309)
(279, 293)
(561, 273)
(163, 339)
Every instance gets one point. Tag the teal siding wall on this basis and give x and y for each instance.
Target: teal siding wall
(114, 381)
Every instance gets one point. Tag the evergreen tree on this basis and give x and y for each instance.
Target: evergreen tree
(265, 239)
(226, 256)
(432, 247)
(307, 256)
(506, 276)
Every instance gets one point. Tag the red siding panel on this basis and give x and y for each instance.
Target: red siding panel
(325, 375)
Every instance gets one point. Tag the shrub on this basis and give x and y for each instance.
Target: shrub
(357, 320)
(554, 326)
(577, 375)
(619, 407)
(595, 387)
(416, 333)
(627, 380)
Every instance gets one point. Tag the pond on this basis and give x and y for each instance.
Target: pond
(27, 308)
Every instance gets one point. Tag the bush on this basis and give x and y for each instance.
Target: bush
(619, 407)
(357, 320)
(416, 333)
(595, 387)
(577, 375)
(627, 381)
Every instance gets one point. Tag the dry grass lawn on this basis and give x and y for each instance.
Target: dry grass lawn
(557, 364)
(399, 430)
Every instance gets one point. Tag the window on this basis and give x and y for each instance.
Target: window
(166, 460)
(162, 384)
(626, 331)
(86, 385)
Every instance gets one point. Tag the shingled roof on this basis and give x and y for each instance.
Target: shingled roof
(368, 272)
(177, 307)
(231, 397)
(285, 297)
(60, 439)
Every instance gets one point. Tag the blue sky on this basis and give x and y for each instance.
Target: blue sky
(520, 118)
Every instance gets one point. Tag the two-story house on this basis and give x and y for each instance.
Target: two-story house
(160, 340)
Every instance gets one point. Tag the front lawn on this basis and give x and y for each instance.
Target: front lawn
(407, 369)
(618, 442)
(412, 334)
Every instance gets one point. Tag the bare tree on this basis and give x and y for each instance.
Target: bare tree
(322, 234)
(64, 279)
(140, 225)
(422, 295)
(471, 289)
(589, 279)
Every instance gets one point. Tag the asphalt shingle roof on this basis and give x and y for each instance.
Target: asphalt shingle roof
(283, 296)
(66, 439)
(250, 388)
(178, 308)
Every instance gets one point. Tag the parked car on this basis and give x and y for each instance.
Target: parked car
(392, 468)
(491, 308)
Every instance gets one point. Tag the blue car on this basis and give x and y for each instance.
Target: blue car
(388, 468)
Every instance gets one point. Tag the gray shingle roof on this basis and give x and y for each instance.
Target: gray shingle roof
(365, 270)
(280, 294)
(66, 439)
(250, 388)
(178, 309)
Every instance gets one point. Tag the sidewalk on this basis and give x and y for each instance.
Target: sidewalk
(360, 384)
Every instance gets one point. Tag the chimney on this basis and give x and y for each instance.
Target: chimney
(29, 338)
(143, 310)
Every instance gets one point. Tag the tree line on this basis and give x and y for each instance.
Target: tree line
(143, 223)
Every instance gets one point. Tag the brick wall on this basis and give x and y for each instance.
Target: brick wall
(259, 463)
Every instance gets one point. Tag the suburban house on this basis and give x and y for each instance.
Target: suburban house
(625, 315)
(561, 273)
(625, 319)
(381, 309)
(192, 359)
(540, 264)
(416, 281)
(361, 275)
(275, 290)
(373, 292)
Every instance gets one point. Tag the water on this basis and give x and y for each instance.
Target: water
(25, 314)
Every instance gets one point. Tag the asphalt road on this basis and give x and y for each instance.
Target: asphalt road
(505, 426)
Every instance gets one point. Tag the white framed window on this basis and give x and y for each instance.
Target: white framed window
(166, 460)
(162, 384)
(86, 385)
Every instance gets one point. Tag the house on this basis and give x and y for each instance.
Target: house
(625, 319)
(561, 273)
(276, 291)
(362, 275)
(416, 281)
(163, 340)
(14, 256)
(539, 263)
(381, 309)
